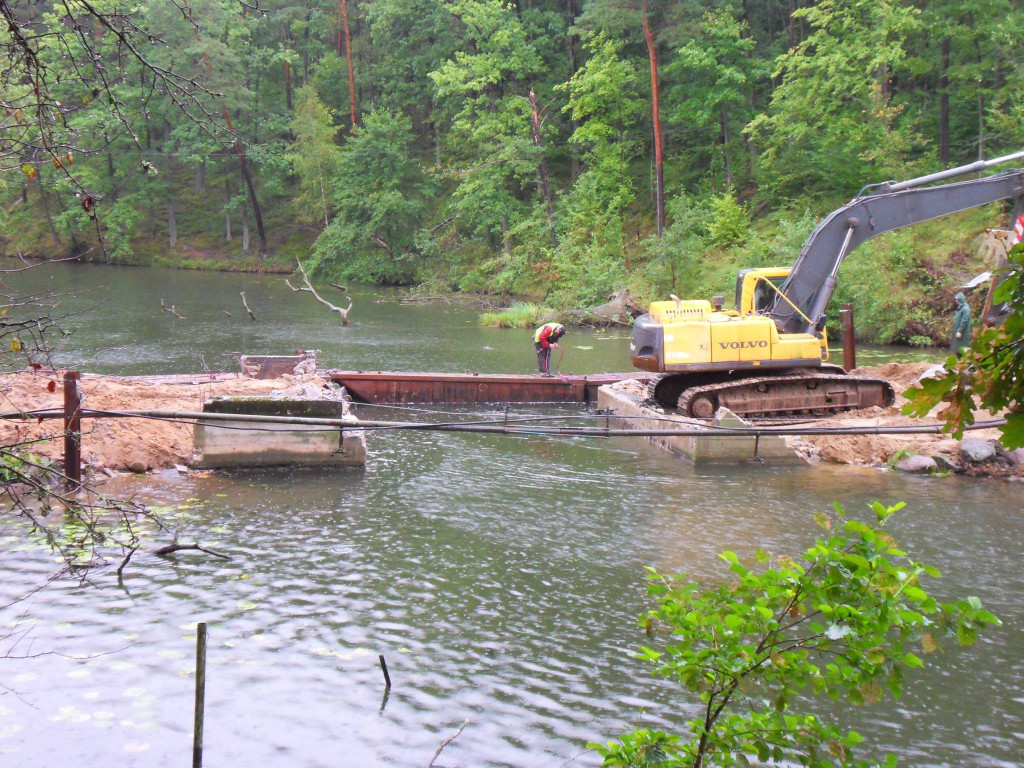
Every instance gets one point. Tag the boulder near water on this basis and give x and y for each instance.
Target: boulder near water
(917, 464)
(977, 451)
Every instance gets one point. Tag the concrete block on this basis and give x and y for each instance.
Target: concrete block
(245, 444)
(627, 399)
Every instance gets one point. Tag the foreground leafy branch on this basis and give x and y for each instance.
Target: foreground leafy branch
(847, 621)
(76, 524)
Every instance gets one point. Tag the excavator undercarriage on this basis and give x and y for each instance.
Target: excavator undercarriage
(795, 392)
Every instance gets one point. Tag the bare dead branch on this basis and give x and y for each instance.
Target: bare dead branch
(170, 309)
(309, 289)
(446, 742)
(174, 546)
(252, 315)
(127, 558)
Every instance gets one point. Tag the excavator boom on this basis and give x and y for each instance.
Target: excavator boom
(890, 206)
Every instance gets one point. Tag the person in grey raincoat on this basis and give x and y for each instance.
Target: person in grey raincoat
(961, 325)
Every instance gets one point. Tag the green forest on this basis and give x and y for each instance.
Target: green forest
(549, 151)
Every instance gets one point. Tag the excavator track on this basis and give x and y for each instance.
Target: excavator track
(798, 393)
(666, 388)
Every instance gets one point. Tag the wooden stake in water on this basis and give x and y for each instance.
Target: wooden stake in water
(72, 431)
(197, 734)
(384, 669)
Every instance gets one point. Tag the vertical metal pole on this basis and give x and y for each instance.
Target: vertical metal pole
(849, 342)
(72, 430)
(197, 733)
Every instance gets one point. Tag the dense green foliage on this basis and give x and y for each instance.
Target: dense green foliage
(844, 621)
(507, 147)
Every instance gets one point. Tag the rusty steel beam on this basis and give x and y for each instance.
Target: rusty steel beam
(401, 388)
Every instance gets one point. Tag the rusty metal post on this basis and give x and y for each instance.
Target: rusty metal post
(849, 342)
(72, 430)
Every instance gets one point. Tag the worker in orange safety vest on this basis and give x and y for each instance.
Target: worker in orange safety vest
(544, 339)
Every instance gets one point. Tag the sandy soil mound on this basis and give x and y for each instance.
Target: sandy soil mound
(871, 450)
(876, 450)
(119, 443)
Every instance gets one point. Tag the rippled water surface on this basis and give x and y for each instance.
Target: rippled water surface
(500, 576)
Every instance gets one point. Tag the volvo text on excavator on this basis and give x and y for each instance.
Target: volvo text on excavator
(767, 358)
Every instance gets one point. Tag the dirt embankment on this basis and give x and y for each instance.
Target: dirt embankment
(875, 450)
(120, 443)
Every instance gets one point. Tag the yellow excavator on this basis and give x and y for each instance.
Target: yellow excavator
(767, 357)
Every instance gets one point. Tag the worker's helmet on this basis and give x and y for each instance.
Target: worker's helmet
(559, 330)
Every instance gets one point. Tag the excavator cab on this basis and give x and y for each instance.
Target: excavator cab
(754, 295)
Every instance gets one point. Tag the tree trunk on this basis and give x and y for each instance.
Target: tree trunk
(323, 199)
(343, 34)
(110, 157)
(200, 178)
(791, 30)
(241, 160)
(172, 222)
(24, 192)
(944, 105)
(227, 210)
(249, 186)
(305, 48)
(981, 125)
(437, 143)
(46, 208)
(288, 86)
(506, 241)
(724, 118)
(652, 53)
(245, 227)
(573, 8)
(71, 230)
(542, 167)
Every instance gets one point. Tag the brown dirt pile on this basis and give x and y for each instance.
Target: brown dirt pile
(872, 450)
(118, 443)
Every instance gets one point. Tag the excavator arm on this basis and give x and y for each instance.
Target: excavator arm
(887, 207)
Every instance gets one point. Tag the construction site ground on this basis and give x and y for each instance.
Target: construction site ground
(145, 444)
(878, 450)
(120, 444)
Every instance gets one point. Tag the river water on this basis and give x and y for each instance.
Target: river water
(501, 577)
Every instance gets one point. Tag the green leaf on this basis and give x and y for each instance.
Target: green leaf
(915, 594)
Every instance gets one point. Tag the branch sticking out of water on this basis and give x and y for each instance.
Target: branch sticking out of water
(446, 742)
(309, 289)
(174, 546)
(170, 309)
(245, 304)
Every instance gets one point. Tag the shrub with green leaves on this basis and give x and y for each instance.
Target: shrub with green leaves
(846, 620)
(728, 222)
